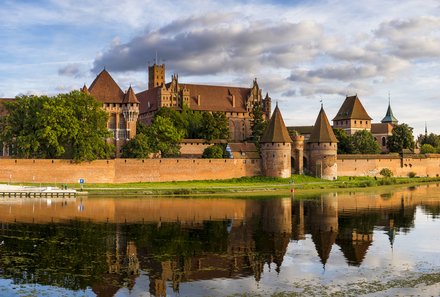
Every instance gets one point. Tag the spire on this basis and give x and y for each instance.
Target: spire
(85, 90)
(389, 117)
(322, 131)
(130, 96)
(276, 130)
(426, 129)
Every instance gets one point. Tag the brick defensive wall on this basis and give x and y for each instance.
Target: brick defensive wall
(371, 165)
(125, 170)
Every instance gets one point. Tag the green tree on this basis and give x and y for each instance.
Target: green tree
(179, 119)
(258, 124)
(164, 137)
(363, 142)
(208, 124)
(401, 138)
(344, 146)
(427, 149)
(213, 152)
(221, 125)
(431, 139)
(137, 147)
(65, 126)
(87, 128)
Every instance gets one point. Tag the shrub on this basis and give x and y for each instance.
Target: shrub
(427, 149)
(213, 152)
(386, 172)
(412, 174)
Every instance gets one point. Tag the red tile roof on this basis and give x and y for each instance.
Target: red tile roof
(382, 128)
(3, 110)
(130, 97)
(276, 130)
(322, 131)
(352, 108)
(105, 89)
(212, 98)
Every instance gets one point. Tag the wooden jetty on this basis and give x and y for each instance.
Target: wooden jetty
(30, 192)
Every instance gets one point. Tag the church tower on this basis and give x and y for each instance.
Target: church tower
(156, 75)
(389, 117)
(276, 147)
(323, 147)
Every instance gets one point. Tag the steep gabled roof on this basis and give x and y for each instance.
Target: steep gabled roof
(389, 117)
(276, 130)
(105, 89)
(322, 131)
(130, 96)
(217, 98)
(352, 108)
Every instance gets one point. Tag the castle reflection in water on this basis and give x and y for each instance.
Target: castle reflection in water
(105, 244)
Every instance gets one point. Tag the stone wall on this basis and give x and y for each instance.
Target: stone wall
(125, 170)
(371, 165)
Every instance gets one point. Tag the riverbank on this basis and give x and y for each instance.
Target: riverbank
(249, 186)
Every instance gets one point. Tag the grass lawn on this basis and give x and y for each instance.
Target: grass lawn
(246, 185)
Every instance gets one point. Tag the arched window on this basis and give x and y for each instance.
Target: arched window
(384, 141)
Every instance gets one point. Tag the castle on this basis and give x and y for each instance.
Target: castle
(307, 149)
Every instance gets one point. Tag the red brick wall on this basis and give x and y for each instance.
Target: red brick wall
(129, 170)
(371, 165)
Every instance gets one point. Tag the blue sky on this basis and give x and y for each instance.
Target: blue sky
(300, 51)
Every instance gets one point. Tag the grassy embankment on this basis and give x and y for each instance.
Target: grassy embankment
(247, 185)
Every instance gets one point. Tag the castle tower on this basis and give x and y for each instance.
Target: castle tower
(276, 147)
(352, 116)
(156, 75)
(130, 111)
(298, 154)
(322, 148)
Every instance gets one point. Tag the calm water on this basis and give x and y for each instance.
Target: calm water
(374, 244)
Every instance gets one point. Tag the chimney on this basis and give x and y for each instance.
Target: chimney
(233, 100)
(198, 100)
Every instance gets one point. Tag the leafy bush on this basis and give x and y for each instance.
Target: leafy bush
(427, 149)
(386, 172)
(213, 152)
(412, 174)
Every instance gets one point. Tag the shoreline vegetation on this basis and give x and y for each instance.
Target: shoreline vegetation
(245, 186)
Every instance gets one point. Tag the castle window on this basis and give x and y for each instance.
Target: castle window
(355, 121)
(384, 141)
(361, 122)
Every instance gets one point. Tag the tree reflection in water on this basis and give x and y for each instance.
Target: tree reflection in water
(106, 256)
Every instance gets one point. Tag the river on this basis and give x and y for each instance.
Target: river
(376, 243)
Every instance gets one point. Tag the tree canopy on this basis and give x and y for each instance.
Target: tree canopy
(402, 138)
(361, 142)
(72, 126)
(343, 141)
(258, 124)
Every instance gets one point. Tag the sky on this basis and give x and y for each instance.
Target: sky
(300, 51)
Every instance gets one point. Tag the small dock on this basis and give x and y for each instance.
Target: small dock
(31, 192)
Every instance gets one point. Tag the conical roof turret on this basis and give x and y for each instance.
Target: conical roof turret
(276, 130)
(85, 90)
(130, 96)
(322, 131)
